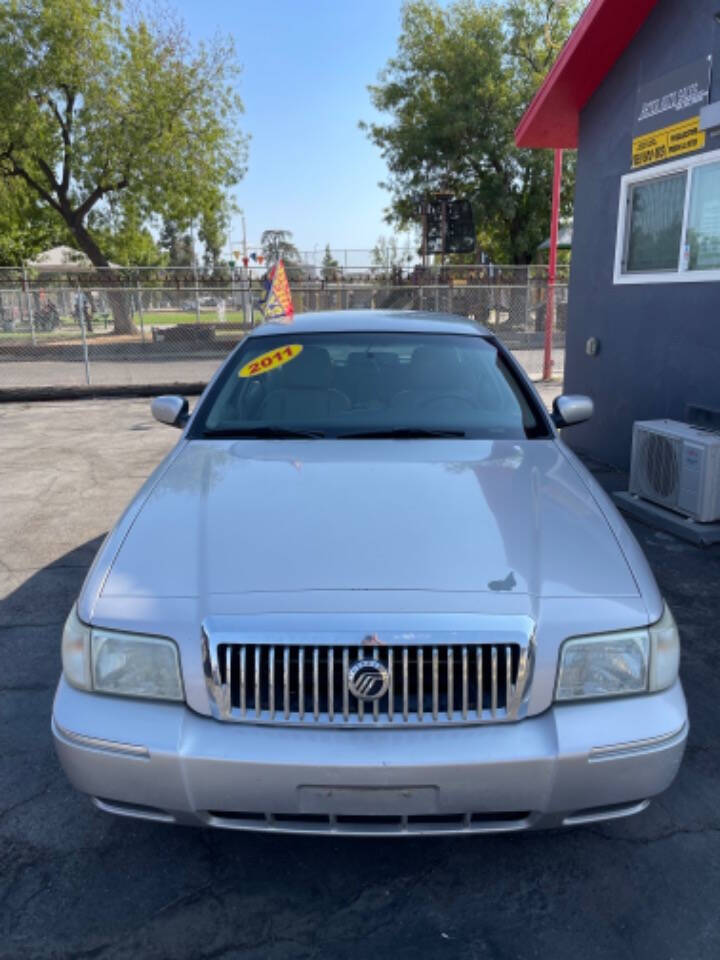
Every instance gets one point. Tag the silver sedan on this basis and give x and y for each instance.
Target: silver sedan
(370, 591)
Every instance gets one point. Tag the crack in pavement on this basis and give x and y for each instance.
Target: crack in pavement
(27, 800)
(31, 626)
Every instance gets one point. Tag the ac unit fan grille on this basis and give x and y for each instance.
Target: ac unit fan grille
(660, 464)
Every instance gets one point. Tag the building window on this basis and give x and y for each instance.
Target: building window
(655, 224)
(703, 232)
(669, 223)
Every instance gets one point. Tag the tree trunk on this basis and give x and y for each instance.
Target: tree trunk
(120, 301)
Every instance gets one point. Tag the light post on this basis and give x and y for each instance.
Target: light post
(552, 266)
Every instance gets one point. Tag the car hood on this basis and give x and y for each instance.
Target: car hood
(232, 518)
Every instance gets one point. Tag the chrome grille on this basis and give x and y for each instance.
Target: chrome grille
(266, 683)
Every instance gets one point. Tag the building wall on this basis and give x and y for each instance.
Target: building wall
(660, 343)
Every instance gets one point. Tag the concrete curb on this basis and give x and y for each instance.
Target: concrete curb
(29, 394)
(701, 534)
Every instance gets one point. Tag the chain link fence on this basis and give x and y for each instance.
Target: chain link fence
(166, 327)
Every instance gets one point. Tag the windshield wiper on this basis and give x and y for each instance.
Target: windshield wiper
(263, 433)
(400, 433)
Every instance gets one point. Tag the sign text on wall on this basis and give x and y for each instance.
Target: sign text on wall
(668, 143)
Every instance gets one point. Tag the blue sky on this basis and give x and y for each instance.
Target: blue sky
(306, 65)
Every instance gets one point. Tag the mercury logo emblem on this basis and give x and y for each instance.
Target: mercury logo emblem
(368, 679)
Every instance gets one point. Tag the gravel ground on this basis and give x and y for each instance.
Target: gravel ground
(76, 883)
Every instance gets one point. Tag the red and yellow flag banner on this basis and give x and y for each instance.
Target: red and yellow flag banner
(278, 303)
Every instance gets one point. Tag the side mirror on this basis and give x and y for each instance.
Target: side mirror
(570, 409)
(174, 411)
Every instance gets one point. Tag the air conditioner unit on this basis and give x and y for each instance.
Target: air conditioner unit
(678, 466)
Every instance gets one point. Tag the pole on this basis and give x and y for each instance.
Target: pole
(552, 266)
(29, 306)
(195, 271)
(140, 307)
(86, 359)
(248, 318)
(443, 210)
(425, 231)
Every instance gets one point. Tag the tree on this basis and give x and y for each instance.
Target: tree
(27, 227)
(387, 255)
(97, 106)
(213, 234)
(455, 91)
(278, 245)
(123, 237)
(330, 266)
(177, 245)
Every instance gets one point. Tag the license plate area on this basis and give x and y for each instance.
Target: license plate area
(368, 801)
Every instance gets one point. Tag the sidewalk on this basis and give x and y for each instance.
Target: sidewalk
(26, 379)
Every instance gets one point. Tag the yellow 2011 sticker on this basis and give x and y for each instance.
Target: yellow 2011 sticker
(270, 360)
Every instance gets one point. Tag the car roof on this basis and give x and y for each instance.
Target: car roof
(373, 321)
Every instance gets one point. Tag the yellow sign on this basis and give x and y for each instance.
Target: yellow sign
(270, 360)
(668, 143)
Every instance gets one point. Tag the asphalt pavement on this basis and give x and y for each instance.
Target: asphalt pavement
(77, 883)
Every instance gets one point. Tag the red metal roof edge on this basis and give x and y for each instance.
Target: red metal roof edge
(581, 28)
(537, 128)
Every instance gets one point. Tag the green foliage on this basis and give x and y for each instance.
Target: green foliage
(277, 245)
(97, 105)
(27, 226)
(176, 245)
(213, 231)
(123, 237)
(389, 256)
(455, 91)
(330, 266)
(130, 245)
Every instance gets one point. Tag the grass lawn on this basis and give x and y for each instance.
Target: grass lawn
(164, 319)
(69, 329)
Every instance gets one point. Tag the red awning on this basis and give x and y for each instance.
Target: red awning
(602, 34)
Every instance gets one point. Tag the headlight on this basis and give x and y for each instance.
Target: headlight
(620, 664)
(135, 666)
(127, 664)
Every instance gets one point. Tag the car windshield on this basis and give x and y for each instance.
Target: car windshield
(365, 385)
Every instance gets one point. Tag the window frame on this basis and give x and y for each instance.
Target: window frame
(686, 165)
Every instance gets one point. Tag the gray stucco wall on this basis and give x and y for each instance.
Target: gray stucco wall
(660, 343)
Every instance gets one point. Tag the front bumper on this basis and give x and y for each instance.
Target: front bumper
(572, 764)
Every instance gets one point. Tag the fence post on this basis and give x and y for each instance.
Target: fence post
(29, 306)
(248, 308)
(80, 306)
(86, 358)
(140, 307)
(195, 275)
